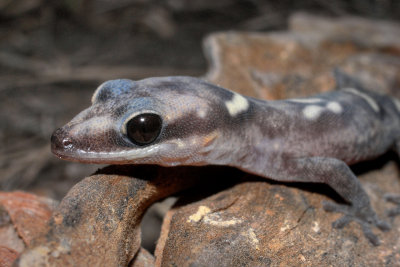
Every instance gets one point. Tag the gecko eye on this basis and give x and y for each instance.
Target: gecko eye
(144, 128)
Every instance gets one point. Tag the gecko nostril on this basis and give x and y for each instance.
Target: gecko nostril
(67, 143)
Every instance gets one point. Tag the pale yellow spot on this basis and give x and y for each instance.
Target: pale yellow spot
(312, 112)
(366, 97)
(215, 220)
(251, 235)
(316, 227)
(237, 104)
(201, 212)
(335, 107)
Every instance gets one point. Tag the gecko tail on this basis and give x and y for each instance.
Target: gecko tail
(344, 80)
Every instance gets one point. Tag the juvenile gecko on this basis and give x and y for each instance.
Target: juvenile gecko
(173, 121)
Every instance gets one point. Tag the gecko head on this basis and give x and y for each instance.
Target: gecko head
(167, 121)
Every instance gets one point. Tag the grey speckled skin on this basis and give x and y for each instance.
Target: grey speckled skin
(303, 140)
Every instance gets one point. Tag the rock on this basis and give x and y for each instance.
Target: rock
(98, 222)
(7, 256)
(259, 223)
(372, 34)
(300, 62)
(28, 212)
(142, 259)
(23, 217)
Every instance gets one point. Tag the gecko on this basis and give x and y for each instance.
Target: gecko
(179, 120)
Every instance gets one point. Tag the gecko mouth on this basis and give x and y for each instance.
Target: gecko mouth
(66, 148)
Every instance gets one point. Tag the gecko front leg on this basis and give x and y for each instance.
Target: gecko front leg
(338, 176)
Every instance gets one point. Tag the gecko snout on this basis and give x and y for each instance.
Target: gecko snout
(60, 142)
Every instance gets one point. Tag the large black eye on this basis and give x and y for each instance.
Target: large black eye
(144, 128)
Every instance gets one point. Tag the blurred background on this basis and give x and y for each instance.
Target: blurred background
(53, 54)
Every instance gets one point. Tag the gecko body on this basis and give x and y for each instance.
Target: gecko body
(186, 121)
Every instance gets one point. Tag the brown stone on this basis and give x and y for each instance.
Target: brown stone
(262, 224)
(98, 222)
(300, 62)
(142, 259)
(29, 213)
(7, 256)
(23, 217)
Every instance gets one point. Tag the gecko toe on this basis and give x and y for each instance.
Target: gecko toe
(366, 228)
(366, 218)
(393, 212)
(342, 222)
(395, 199)
(383, 226)
(330, 206)
(392, 198)
(333, 207)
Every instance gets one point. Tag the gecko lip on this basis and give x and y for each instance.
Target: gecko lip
(66, 147)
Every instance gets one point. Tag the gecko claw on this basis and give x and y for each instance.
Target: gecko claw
(366, 218)
(370, 235)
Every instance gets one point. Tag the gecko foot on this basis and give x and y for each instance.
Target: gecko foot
(364, 216)
(395, 199)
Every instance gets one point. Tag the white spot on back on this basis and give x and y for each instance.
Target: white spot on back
(396, 103)
(335, 107)
(366, 97)
(306, 100)
(201, 113)
(312, 111)
(237, 104)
